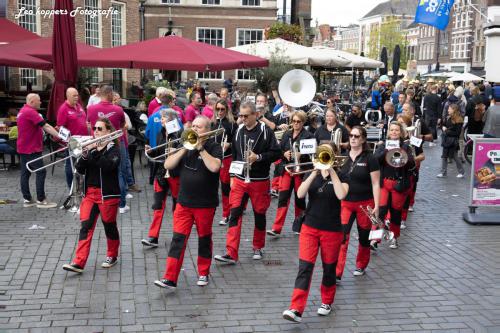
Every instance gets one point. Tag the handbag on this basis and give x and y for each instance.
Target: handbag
(449, 141)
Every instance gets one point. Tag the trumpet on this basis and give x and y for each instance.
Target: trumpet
(396, 158)
(246, 155)
(324, 159)
(188, 140)
(382, 232)
(76, 148)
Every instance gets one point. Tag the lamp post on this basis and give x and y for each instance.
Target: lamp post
(170, 23)
(142, 10)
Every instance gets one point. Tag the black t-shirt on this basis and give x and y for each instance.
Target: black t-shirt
(323, 134)
(198, 185)
(358, 174)
(424, 129)
(353, 120)
(229, 130)
(323, 207)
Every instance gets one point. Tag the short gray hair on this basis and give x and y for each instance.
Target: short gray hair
(205, 118)
(212, 98)
(248, 105)
(161, 91)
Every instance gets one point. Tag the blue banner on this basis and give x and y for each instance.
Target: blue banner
(434, 12)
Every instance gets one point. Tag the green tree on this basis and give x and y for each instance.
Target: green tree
(279, 64)
(388, 34)
(290, 32)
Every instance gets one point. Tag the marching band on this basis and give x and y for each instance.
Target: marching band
(346, 177)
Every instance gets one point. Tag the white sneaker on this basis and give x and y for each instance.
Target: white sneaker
(257, 254)
(460, 175)
(45, 204)
(125, 209)
(202, 281)
(441, 175)
(403, 225)
(224, 221)
(292, 315)
(358, 272)
(324, 310)
(410, 209)
(394, 243)
(129, 196)
(29, 203)
(432, 144)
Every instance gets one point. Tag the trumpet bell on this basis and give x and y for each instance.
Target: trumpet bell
(297, 88)
(396, 158)
(189, 139)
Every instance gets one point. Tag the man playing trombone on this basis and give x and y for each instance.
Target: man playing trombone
(197, 201)
(31, 126)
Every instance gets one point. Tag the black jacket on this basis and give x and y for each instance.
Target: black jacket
(432, 106)
(285, 146)
(264, 144)
(160, 171)
(102, 165)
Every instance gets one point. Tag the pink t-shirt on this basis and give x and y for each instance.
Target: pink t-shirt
(180, 113)
(207, 112)
(190, 113)
(114, 113)
(30, 132)
(72, 118)
(153, 105)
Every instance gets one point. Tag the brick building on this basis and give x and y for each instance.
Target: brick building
(224, 23)
(117, 29)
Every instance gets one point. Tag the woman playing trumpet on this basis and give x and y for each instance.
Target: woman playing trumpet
(99, 164)
(288, 182)
(322, 228)
(396, 165)
(164, 180)
(363, 173)
(224, 119)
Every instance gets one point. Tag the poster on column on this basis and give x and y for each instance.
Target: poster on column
(485, 173)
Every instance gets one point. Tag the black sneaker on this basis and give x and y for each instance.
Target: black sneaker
(225, 258)
(150, 241)
(292, 315)
(166, 284)
(373, 245)
(73, 268)
(109, 262)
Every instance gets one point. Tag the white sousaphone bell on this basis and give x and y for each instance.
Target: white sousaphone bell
(297, 88)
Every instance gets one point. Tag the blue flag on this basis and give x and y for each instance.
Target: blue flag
(434, 12)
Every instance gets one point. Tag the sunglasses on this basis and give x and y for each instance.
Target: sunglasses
(295, 121)
(354, 136)
(98, 128)
(244, 116)
(221, 109)
(328, 102)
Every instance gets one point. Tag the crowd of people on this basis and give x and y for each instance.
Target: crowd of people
(376, 180)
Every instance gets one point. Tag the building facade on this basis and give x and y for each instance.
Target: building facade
(119, 28)
(350, 38)
(225, 23)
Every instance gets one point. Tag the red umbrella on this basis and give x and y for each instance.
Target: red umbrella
(65, 67)
(171, 53)
(11, 32)
(13, 59)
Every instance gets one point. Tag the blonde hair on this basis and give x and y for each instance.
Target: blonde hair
(301, 115)
(456, 117)
(402, 129)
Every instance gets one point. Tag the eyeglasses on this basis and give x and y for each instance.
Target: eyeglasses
(221, 109)
(354, 136)
(98, 128)
(295, 121)
(244, 116)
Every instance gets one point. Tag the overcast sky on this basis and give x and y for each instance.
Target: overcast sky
(339, 12)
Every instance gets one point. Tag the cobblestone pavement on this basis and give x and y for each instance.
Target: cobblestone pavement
(442, 278)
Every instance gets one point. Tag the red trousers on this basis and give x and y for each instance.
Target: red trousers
(184, 218)
(287, 184)
(275, 183)
(160, 199)
(392, 201)
(225, 187)
(351, 210)
(310, 240)
(410, 198)
(92, 205)
(258, 192)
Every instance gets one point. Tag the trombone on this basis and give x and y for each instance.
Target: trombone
(76, 148)
(324, 159)
(279, 134)
(188, 140)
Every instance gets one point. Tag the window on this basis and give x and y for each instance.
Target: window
(248, 36)
(170, 2)
(117, 24)
(28, 75)
(92, 28)
(250, 2)
(117, 80)
(210, 2)
(213, 36)
(28, 21)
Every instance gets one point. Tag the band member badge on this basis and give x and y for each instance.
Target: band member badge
(64, 133)
(237, 167)
(391, 144)
(172, 126)
(417, 142)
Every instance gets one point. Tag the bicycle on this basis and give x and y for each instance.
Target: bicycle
(469, 145)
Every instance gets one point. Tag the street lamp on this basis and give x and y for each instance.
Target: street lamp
(142, 10)
(170, 23)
